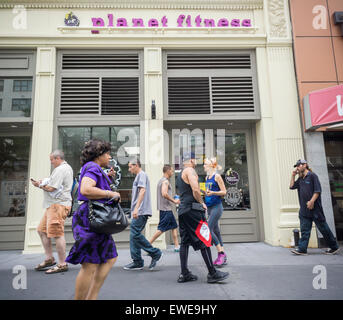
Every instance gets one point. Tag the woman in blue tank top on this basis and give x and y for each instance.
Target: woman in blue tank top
(215, 190)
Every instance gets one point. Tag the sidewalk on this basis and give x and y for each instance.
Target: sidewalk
(257, 271)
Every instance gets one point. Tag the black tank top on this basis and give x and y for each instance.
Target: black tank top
(186, 195)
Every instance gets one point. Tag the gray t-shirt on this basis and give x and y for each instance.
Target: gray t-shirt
(60, 176)
(141, 181)
(163, 204)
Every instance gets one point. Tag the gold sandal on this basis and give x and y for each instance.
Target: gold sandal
(47, 263)
(58, 268)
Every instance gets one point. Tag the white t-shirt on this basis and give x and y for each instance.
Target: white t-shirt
(61, 176)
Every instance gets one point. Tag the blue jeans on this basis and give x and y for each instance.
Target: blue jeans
(214, 214)
(305, 229)
(138, 241)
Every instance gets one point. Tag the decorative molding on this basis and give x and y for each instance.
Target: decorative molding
(139, 4)
(277, 19)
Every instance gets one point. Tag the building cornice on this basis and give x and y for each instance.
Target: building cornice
(138, 4)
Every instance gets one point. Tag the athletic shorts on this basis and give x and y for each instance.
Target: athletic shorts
(52, 222)
(167, 221)
(188, 224)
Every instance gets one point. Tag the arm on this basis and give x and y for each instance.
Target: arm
(89, 190)
(310, 204)
(192, 178)
(293, 184)
(45, 188)
(139, 201)
(164, 191)
(221, 184)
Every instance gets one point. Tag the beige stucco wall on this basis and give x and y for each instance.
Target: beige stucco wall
(278, 133)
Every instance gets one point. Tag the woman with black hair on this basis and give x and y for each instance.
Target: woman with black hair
(95, 252)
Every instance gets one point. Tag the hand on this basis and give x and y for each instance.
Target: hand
(204, 205)
(177, 201)
(310, 205)
(295, 172)
(209, 193)
(35, 183)
(135, 214)
(112, 173)
(113, 194)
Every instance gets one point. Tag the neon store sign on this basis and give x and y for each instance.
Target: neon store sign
(182, 21)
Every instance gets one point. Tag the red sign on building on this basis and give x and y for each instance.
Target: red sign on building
(323, 107)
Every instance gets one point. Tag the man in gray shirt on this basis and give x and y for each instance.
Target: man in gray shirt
(57, 204)
(140, 212)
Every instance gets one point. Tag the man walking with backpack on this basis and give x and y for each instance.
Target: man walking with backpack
(57, 202)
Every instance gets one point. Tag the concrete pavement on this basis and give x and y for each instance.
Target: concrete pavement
(257, 271)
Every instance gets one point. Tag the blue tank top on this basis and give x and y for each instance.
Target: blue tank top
(212, 185)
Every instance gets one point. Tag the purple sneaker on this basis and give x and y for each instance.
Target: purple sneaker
(220, 260)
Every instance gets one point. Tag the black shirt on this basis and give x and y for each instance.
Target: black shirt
(186, 195)
(306, 187)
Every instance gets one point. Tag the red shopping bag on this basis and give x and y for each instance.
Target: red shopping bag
(203, 233)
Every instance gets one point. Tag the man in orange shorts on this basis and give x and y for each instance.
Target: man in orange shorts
(57, 202)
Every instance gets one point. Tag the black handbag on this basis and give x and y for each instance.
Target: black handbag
(107, 217)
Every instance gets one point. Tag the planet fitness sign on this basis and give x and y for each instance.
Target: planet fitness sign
(182, 21)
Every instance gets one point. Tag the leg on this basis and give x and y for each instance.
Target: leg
(46, 245)
(213, 218)
(305, 229)
(61, 249)
(327, 234)
(184, 258)
(155, 236)
(175, 238)
(84, 280)
(99, 278)
(207, 256)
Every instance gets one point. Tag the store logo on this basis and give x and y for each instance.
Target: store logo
(233, 197)
(71, 20)
(231, 177)
(182, 21)
(339, 106)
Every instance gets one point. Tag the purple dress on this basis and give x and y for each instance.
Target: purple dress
(89, 246)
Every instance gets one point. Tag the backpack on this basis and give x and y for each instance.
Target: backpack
(74, 193)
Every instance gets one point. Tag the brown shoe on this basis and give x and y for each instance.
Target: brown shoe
(57, 269)
(47, 263)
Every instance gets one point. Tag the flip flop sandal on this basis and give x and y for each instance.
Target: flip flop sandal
(45, 264)
(57, 269)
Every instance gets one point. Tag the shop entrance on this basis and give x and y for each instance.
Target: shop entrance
(334, 160)
(15, 142)
(234, 152)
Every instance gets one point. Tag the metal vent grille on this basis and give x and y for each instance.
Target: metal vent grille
(100, 61)
(188, 96)
(120, 96)
(79, 96)
(208, 61)
(231, 94)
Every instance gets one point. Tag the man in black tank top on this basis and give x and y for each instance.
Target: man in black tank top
(189, 221)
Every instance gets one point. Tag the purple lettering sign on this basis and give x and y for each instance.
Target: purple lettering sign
(182, 21)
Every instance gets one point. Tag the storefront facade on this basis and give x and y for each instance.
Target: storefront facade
(159, 79)
(318, 51)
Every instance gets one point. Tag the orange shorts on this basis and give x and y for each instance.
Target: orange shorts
(52, 222)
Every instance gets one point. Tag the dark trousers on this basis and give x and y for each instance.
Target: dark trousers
(305, 229)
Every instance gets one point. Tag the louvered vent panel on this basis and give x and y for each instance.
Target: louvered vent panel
(79, 96)
(231, 94)
(120, 96)
(188, 96)
(100, 61)
(208, 61)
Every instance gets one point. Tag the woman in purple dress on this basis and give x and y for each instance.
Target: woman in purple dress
(95, 252)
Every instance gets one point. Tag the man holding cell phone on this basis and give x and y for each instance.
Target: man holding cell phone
(57, 204)
(311, 210)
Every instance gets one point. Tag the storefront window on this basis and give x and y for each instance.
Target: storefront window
(231, 152)
(14, 158)
(334, 159)
(125, 145)
(16, 98)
